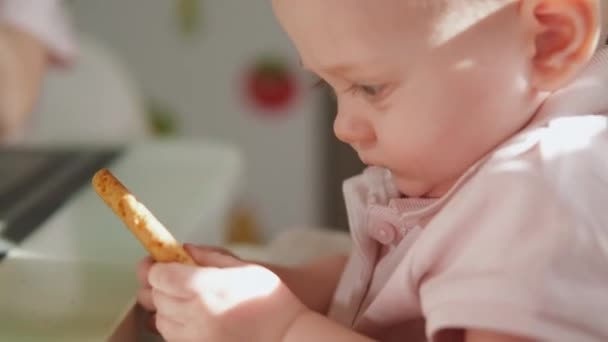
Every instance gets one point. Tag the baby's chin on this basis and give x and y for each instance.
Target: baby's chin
(419, 188)
(410, 187)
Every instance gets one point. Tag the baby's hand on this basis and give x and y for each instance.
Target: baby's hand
(228, 300)
(198, 253)
(144, 294)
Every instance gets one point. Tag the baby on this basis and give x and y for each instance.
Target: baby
(481, 216)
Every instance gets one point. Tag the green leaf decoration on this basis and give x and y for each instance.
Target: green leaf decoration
(161, 119)
(188, 12)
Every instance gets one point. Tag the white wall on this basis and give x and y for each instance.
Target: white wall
(197, 77)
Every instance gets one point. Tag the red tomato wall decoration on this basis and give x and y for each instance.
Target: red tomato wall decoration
(270, 85)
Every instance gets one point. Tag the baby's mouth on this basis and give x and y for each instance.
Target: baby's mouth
(367, 161)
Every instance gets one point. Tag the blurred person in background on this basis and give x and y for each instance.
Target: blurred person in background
(34, 36)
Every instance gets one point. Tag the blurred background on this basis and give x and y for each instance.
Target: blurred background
(203, 70)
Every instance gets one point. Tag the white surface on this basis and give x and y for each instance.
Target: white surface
(73, 279)
(296, 246)
(199, 77)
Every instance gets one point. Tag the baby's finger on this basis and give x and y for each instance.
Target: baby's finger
(170, 329)
(213, 256)
(175, 280)
(144, 298)
(194, 249)
(168, 306)
(143, 268)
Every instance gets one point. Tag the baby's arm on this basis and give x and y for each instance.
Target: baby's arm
(473, 335)
(311, 326)
(314, 283)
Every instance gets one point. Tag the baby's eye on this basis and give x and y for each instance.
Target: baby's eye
(371, 91)
(320, 83)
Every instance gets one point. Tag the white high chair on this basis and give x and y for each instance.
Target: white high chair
(296, 246)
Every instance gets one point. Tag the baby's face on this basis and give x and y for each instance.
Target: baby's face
(421, 91)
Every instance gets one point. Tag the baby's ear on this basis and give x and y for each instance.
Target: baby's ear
(564, 34)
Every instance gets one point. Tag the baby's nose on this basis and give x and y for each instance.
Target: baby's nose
(354, 130)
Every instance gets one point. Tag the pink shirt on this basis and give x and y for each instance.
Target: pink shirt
(44, 19)
(519, 245)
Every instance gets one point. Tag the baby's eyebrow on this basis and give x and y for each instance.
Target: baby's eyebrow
(340, 69)
(332, 69)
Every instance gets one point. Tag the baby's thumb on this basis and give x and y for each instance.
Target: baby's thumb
(212, 256)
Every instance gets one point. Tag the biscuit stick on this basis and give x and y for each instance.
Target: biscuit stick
(154, 237)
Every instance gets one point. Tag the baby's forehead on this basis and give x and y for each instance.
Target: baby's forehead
(383, 21)
(393, 14)
(453, 17)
